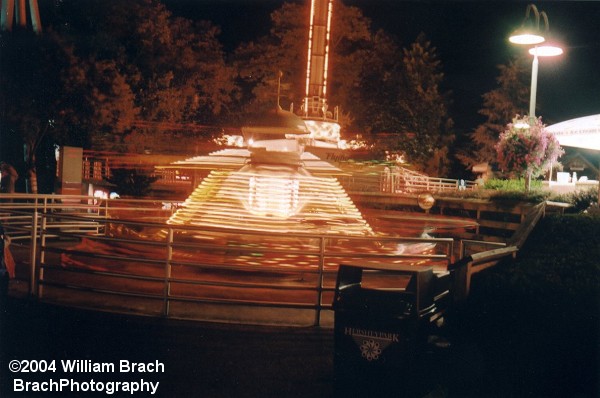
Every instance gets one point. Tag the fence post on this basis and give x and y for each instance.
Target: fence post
(43, 244)
(320, 280)
(33, 285)
(167, 285)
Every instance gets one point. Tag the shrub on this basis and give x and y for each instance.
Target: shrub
(131, 182)
(540, 313)
(503, 190)
(511, 185)
(581, 200)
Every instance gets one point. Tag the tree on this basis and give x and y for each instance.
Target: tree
(499, 107)
(527, 152)
(379, 80)
(378, 86)
(136, 62)
(424, 108)
(412, 108)
(285, 49)
(31, 75)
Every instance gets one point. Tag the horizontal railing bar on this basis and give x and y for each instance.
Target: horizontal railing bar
(158, 243)
(483, 242)
(103, 256)
(103, 291)
(233, 231)
(244, 285)
(189, 299)
(246, 268)
(102, 273)
(271, 304)
(176, 280)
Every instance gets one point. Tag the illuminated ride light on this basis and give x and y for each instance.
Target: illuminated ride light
(266, 198)
(230, 140)
(320, 130)
(273, 195)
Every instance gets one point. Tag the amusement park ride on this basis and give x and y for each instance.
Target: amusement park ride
(274, 184)
(319, 119)
(267, 226)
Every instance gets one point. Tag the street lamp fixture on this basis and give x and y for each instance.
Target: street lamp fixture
(528, 34)
(543, 47)
(546, 50)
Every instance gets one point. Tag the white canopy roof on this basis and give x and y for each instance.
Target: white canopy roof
(583, 132)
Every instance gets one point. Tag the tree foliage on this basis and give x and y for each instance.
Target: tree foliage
(378, 86)
(413, 109)
(424, 108)
(135, 61)
(105, 66)
(284, 50)
(500, 105)
(31, 76)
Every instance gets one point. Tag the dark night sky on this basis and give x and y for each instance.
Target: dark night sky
(471, 39)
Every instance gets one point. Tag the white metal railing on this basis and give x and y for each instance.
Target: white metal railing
(78, 245)
(97, 166)
(398, 183)
(74, 253)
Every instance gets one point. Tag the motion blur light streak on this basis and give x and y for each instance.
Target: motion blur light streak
(263, 199)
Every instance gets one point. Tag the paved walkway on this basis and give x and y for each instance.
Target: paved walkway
(200, 359)
(207, 360)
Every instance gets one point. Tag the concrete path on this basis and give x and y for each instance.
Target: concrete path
(200, 359)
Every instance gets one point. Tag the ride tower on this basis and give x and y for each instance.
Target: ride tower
(17, 11)
(319, 118)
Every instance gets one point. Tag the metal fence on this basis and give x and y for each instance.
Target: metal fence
(400, 182)
(122, 256)
(97, 167)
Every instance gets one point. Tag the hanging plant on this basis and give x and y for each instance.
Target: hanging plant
(527, 149)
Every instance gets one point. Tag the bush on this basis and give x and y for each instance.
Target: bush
(541, 311)
(581, 200)
(504, 190)
(517, 185)
(131, 182)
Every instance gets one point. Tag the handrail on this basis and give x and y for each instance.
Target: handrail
(162, 262)
(97, 166)
(48, 221)
(468, 265)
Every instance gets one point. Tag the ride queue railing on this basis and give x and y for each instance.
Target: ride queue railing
(81, 255)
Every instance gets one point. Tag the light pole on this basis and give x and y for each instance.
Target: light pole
(530, 34)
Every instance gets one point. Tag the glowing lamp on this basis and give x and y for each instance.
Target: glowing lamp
(425, 201)
(529, 32)
(528, 38)
(532, 37)
(546, 51)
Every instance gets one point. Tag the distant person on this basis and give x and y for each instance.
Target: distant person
(7, 265)
(9, 178)
(480, 181)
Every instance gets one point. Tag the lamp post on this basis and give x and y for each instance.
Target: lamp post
(530, 34)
